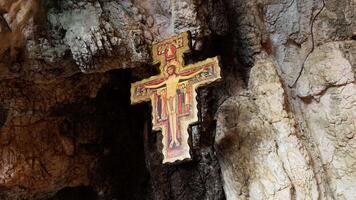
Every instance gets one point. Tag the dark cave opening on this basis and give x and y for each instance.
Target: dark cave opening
(123, 162)
(120, 171)
(3, 115)
(76, 193)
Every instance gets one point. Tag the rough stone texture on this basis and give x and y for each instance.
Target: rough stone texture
(285, 111)
(65, 115)
(327, 90)
(259, 151)
(39, 152)
(280, 140)
(95, 35)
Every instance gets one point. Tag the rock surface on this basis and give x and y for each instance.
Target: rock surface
(289, 135)
(285, 111)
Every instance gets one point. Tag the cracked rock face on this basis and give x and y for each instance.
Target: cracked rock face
(92, 35)
(260, 154)
(66, 124)
(279, 140)
(280, 125)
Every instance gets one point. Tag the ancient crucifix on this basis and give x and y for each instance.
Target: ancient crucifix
(173, 93)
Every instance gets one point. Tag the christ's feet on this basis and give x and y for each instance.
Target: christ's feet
(174, 143)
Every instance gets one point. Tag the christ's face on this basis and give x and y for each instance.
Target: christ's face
(171, 70)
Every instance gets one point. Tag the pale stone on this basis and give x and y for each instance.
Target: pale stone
(325, 67)
(270, 154)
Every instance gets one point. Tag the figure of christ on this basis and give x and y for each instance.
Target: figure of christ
(172, 79)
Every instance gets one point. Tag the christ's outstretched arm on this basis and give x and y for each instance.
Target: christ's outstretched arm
(192, 74)
(155, 86)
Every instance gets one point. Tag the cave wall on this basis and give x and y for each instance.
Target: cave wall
(280, 125)
(289, 133)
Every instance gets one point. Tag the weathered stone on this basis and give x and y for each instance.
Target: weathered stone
(326, 67)
(60, 127)
(310, 124)
(261, 144)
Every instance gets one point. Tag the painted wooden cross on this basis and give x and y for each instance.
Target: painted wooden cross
(173, 93)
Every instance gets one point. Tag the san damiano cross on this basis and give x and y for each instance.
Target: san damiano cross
(173, 93)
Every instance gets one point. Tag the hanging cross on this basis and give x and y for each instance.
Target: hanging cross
(173, 93)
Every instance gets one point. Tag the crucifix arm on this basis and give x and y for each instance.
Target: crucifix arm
(142, 90)
(154, 86)
(188, 76)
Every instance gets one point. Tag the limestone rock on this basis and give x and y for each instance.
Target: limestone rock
(60, 95)
(67, 128)
(307, 153)
(260, 154)
(326, 67)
